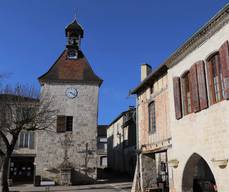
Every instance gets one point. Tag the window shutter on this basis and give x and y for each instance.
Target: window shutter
(177, 97)
(61, 124)
(183, 95)
(194, 89)
(202, 88)
(210, 83)
(224, 61)
(32, 140)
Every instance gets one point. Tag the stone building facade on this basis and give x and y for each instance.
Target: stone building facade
(71, 143)
(102, 151)
(66, 152)
(154, 136)
(198, 95)
(102, 146)
(196, 99)
(21, 165)
(121, 135)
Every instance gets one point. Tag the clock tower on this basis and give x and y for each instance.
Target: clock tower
(73, 88)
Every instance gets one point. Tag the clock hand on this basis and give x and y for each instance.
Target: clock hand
(72, 93)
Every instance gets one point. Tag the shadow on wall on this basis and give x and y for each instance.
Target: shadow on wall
(197, 175)
(80, 178)
(122, 158)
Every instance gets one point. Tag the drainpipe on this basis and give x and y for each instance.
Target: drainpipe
(137, 128)
(139, 155)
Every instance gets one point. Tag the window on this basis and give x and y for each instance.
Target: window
(64, 123)
(215, 79)
(187, 101)
(26, 140)
(103, 161)
(72, 54)
(103, 140)
(152, 89)
(69, 123)
(152, 117)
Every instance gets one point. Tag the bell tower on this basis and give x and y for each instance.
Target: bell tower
(73, 32)
(74, 87)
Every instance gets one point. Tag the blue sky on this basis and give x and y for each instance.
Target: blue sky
(120, 35)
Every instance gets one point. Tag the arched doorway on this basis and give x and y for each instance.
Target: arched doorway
(197, 176)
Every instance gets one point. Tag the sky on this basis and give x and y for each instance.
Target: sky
(119, 36)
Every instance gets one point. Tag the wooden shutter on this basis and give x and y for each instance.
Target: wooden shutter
(183, 95)
(32, 140)
(61, 124)
(202, 88)
(177, 97)
(224, 61)
(194, 89)
(210, 83)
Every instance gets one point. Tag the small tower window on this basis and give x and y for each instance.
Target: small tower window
(72, 54)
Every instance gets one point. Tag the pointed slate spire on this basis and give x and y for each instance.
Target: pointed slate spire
(74, 29)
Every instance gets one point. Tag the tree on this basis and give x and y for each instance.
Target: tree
(21, 108)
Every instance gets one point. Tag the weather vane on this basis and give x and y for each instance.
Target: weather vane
(75, 14)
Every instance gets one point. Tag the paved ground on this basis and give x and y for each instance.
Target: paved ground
(109, 187)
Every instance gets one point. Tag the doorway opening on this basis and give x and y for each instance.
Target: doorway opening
(22, 169)
(197, 176)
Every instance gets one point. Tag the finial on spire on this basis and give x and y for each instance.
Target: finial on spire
(74, 29)
(75, 15)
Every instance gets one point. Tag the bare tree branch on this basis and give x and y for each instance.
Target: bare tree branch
(2, 154)
(21, 109)
(4, 138)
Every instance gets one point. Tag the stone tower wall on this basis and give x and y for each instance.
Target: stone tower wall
(50, 151)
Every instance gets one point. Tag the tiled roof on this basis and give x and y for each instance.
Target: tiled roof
(71, 70)
(198, 38)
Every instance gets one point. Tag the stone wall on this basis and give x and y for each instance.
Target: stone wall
(206, 132)
(160, 97)
(159, 140)
(122, 144)
(148, 170)
(115, 146)
(49, 148)
(130, 158)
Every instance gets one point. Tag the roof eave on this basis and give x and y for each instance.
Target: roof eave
(161, 69)
(43, 81)
(173, 58)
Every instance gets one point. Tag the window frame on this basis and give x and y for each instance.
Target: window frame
(67, 122)
(186, 107)
(152, 122)
(218, 72)
(70, 54)
(25, 140)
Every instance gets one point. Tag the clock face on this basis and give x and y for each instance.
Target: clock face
(71, 93)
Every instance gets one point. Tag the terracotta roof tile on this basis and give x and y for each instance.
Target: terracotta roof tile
(71, 70)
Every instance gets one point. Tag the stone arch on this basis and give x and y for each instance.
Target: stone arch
(197, 175)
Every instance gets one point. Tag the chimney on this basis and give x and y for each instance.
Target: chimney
(145, 71)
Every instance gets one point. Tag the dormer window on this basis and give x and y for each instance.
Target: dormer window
(72, 54)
